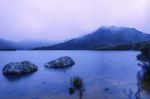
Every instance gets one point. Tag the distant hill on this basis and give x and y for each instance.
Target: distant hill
(104, 37)
(6, 45)
(22, 45)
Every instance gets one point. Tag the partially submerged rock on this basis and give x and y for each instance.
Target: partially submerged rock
(77, 82)
(61, 62)
(19, 68)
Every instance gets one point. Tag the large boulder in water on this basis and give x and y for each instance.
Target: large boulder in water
(19, 68)
(61, 62)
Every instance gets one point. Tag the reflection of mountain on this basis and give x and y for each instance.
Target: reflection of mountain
(105, 37)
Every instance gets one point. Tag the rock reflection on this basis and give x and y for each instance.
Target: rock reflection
(16, 77)
(76, 85)
(64, 70)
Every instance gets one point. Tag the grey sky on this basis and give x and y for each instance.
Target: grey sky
(64, 19)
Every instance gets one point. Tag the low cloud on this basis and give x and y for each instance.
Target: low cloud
(63, 19)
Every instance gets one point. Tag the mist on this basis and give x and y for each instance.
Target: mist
(58, 20)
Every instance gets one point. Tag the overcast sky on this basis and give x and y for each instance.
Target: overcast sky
(63, 19)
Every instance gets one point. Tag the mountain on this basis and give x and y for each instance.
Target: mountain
(103, 37)
(134, 46)
(6, 45)
(22, 45)
(25, 45)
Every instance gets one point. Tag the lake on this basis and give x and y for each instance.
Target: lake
(105, 75)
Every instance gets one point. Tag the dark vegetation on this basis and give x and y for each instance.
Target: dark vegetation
(144, 57)
(144, 74)
(134, 46)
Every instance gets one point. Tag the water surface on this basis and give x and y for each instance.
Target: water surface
(105, 75)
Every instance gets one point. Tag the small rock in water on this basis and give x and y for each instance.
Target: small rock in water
(19, 68)
(44, 82)
(106, 89)
(61, 62)
(77, 82)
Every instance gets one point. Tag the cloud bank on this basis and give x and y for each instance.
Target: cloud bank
(56, 20)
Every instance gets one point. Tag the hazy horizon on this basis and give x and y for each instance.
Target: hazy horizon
(59, 20)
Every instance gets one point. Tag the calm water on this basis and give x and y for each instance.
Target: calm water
(105, 75)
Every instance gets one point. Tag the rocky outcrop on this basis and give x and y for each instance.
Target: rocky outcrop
(19, 68)
(61, 62)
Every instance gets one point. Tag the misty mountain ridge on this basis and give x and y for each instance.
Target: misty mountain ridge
(103, 37)
(6, 44)
(106, 36)
(32, 44)
(22, 45)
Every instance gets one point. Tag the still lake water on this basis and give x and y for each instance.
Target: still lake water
(105, 75)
